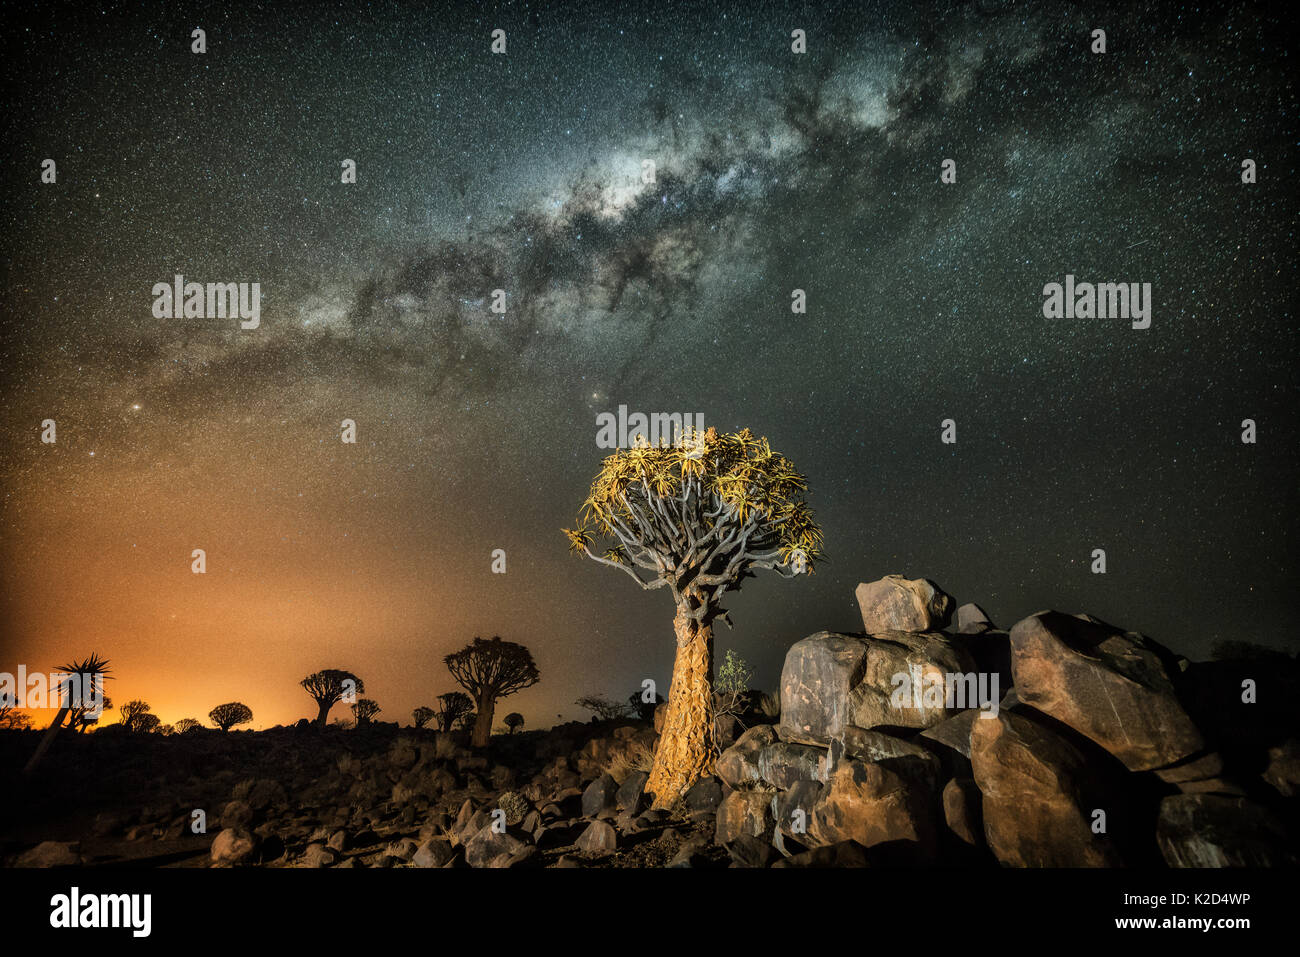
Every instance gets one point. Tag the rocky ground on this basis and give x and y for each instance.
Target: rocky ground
(1105, 749)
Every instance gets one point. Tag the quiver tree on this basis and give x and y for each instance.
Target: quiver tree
(696, 518)
(185, 725)
(422, 716)
(513, 721)
(489, 670)
(84, 716)
(226, 716)
(455, 705)
(328, 687)
(133, 715)
(82, 685)
(364, 710)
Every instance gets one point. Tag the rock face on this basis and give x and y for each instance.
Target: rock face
(746, 812)
(783, 764)
(1034, 808)
(831, 681)
(871, 805)
(895, 603)
(1211, 830)
(738, 765)
(1109, 686)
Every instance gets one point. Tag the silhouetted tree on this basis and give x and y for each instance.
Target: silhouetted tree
(133, 715)
(89, 673)
(364, 710)
(328, 687)
(455, 705)
(83, 717)
(513, 721)
(422, 715)
(488, 670)
(696, 517)
(602, 708)
(466, 721)
(147, 723)
(226, 716)
(188, 724)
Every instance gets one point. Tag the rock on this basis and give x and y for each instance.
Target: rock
(962, 811)
(51, 854)
(434, 852)
(971, 619)
(599, 839)
(744, 812)
(690, 854)
(234, 845)
(260, 793)
(1202, 767)
(1210, 830)
(830, 681)
(1283, 771)
(237, 814)
(1111, 687)
(903, 757)
(954, 733)
(819, 673)
(496, 849)
(318, 855)
(1034, 808)
(747, 851)
(792, 810)
(630, 796)
(738, 764)
(703, 797)
(895, 603)
(782, 764)
(600, 796)
(872, 804)
(840, 854)
(559, 834)
(338, 841)
(661, 715)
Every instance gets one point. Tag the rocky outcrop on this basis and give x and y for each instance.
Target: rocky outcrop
(895, 603)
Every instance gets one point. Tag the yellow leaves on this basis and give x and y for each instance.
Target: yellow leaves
(580, 539)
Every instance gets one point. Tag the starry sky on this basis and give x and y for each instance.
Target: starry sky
(774, 171)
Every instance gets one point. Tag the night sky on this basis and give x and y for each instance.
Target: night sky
(774, 171)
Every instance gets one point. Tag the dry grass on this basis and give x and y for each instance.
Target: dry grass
(625, 760)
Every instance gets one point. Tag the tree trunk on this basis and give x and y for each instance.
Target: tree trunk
(50, 733)
(483, 721)
(688, 746)
(324, 713)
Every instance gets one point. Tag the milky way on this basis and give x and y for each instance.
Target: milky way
(524, 171)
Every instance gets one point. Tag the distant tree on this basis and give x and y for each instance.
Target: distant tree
(148, 723)
(364, 710)
(83, 717)
(188, 724)
(13, 720)
(513, 721)
(166, 730)
(645, 710)
(602, 707)
(328, 687)
(697, 517)
(342, 722)
(226, 716)
(455, 705)
(90, 672)
(133, 715)
(422, 716)
(490, 670)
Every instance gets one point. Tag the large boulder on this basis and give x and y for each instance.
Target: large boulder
(493, 848)
(1212, 830)
(1110, 686)
(234, 845)
(738, 765)
(895, 603)
(744, 812)
(782, 764)
(972, 619)
(600, 797)
(830, 681)
(871, 805)
(1036, 813)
